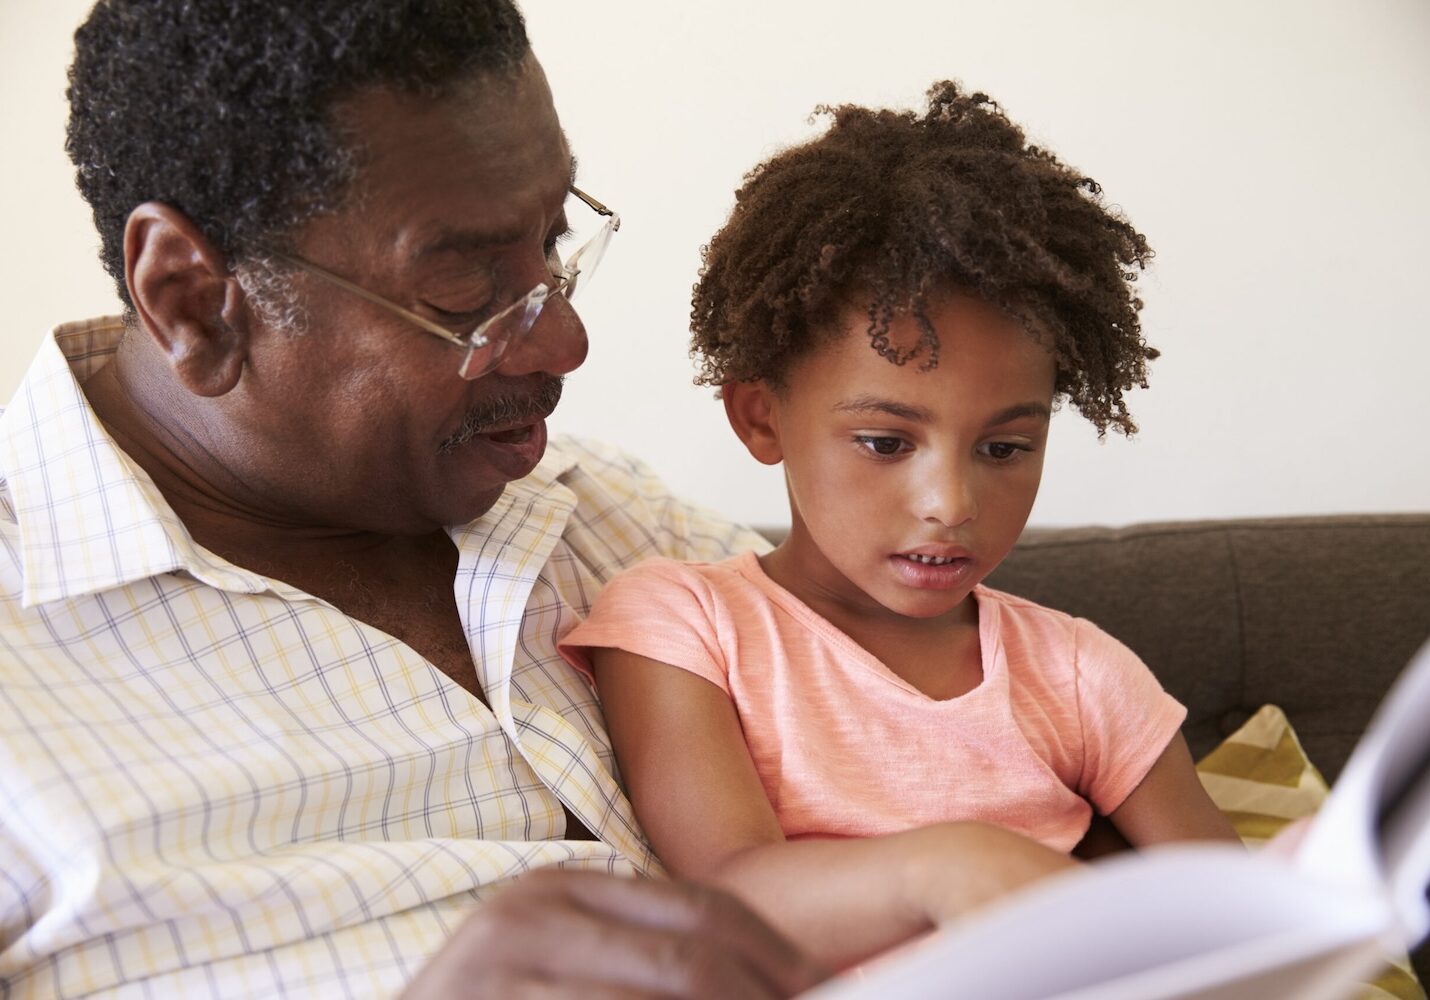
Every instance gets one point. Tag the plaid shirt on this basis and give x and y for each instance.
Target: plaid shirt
(212, 783)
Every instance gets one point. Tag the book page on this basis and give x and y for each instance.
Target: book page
(1373, 833)
(1181, 921)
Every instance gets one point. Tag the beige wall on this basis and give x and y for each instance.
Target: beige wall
(48, 266)
(1274, 153)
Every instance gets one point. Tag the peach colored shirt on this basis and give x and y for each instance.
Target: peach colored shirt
(1065, 714)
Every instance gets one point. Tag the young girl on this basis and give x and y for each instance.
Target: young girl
(893, 310)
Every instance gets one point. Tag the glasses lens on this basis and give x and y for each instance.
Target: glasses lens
(490, 341)
(583, 262)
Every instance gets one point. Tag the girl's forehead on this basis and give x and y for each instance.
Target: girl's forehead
(983, 355)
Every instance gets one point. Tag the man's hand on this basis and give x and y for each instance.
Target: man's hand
(571, 933)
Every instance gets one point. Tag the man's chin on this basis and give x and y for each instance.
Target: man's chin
(483, 465)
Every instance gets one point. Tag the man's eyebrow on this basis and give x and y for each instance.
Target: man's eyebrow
(464, 241)
(469, 242)
(892, 408)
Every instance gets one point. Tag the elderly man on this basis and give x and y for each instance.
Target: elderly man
(284, 552)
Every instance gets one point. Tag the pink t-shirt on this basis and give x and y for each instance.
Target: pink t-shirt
(1065, 714)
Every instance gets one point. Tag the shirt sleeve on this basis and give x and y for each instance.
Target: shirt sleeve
(660, 609)
(678, 528)
(1127, 718)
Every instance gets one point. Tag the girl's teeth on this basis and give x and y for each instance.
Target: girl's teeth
(932, 560)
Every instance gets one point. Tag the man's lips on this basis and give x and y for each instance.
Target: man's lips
(511, 435)
(511, 452)
(504, 418)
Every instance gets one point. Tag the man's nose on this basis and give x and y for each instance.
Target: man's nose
(555, 344)
(950, 497)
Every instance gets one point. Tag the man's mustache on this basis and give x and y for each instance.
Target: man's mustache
(507, 410)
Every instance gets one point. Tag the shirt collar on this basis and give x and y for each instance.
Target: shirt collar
(89, 518)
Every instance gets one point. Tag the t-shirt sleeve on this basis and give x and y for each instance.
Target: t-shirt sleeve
(1127, 718)
(659, 609)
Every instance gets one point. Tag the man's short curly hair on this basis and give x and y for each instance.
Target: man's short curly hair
(223, 108)
(887, 208)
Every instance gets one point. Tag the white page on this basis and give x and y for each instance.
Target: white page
(1183, 921)
(1354, 841)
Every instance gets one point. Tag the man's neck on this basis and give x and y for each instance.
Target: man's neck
(400, 584)
(221, 512)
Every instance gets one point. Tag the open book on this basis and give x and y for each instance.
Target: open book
(1211, 921)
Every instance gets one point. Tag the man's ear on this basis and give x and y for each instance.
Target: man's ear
(753, 411)
(185, 297)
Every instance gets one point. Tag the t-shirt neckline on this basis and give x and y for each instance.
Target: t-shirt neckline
(747, 564)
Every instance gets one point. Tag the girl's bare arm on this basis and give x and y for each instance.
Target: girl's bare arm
(682, 753)
(1170, 804)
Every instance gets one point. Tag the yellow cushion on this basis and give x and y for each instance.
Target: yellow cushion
(1261, 779)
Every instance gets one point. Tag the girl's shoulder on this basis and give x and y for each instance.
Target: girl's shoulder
(709, 582)
(1011, 609)
(1039, 629)
(724, 572)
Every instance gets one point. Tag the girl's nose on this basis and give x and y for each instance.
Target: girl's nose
(951, 499)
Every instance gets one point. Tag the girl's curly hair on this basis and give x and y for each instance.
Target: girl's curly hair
(898, 206)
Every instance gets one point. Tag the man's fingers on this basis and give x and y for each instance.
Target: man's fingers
(526, 987)
(703, 912)
(572, 929)
(509, 984)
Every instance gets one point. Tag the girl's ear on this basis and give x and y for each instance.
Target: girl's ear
(753, 411)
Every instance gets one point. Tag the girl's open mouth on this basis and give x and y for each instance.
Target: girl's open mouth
(933, 572)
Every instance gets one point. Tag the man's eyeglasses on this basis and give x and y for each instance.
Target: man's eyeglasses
(484, 346)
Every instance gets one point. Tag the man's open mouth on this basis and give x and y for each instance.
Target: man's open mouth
(507, 419)
(516, 435)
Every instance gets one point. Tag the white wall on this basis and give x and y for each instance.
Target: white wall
(1274, 152)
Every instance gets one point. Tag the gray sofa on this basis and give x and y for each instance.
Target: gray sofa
(1317, 615)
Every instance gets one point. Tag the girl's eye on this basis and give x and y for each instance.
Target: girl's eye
(881, 446)
(1003, 451)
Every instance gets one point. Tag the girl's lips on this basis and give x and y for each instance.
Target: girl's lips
(944, 576)
(942, 553)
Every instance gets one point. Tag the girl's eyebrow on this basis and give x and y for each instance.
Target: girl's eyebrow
(873, 404)
(918, 414)
(1021, 410)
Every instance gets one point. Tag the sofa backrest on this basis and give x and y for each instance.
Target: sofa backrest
(1315, 614)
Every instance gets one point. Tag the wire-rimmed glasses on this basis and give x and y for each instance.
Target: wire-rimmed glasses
(484, 346)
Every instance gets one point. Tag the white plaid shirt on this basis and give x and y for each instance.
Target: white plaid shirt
(214, 784)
